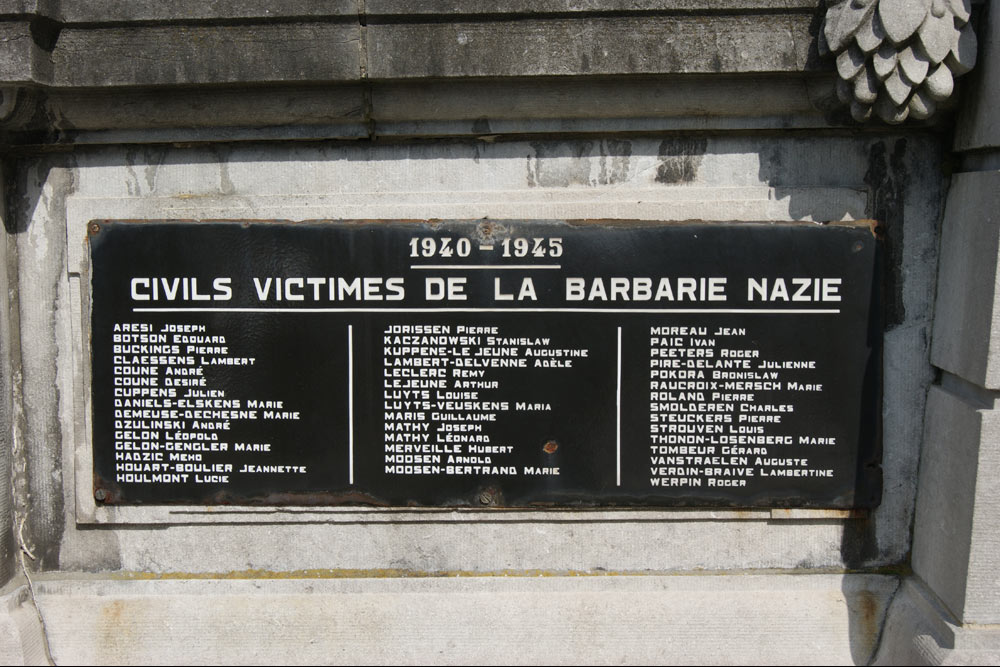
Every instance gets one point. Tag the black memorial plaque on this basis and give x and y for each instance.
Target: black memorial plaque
(476, 363)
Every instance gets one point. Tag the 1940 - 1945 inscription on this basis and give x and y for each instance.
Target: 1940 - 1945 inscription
(477, 363)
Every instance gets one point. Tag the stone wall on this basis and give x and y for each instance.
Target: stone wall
(675, 110)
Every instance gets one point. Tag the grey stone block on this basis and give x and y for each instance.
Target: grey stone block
(592, 46)
(192, 54)
(456, 107)
(979, 122)
(145, 44)
(96, 11)
(955, 544)
(151, 10)
(967, 323)
(482, 7)
(918, 631)
(18, 52)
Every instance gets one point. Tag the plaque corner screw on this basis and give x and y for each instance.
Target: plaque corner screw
(100, 494)
(94, 227)
(485, 498)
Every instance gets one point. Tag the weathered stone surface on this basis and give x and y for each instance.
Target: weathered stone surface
(955, 547)
(979, 122)
(71, 11)
(19, 55)
(871, 33)
(962, 57)
(850, 62)
(97, 11)
(194, 54)
(103, 43)
(681, 44)
(224, 48)
(866, 86)
(9, 350)
(607, 172)
(897, 89)
(834, 619)
(845, 92)
(847, 18)
(884, 60)
(39, 433)
(967, 325)
(487, 7)
(432, 108)
(74, 112)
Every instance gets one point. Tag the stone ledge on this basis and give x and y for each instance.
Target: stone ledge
(423, 8)
(73, 45)
(108, 11)
(767, 619)
(422, 108)
(115, 11)
(745, 43)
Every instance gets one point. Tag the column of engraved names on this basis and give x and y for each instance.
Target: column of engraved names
(172, 423)
(443, 397)
(718, 410)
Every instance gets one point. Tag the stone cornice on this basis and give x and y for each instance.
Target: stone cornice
(106, 70)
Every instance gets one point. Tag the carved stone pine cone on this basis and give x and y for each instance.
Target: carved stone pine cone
(898, 58)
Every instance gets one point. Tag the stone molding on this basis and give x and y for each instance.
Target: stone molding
(68, 62)
(352, 69)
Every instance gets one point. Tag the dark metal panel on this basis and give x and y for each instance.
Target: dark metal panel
(514, 364)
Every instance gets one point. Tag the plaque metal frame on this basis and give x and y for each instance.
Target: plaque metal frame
(487, 495)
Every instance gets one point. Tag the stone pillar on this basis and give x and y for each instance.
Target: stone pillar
(955, 587)
(21, 637)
